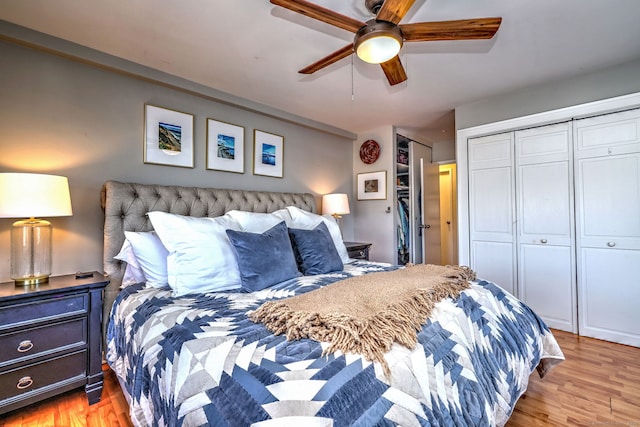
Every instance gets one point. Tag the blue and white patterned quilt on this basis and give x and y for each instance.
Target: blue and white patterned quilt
(198, 360)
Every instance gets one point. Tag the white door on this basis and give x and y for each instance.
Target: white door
(425, 193)
(431, 213)
(608, 226)
(546, 260)
(492, 209)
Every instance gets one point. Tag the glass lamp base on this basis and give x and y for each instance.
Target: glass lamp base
(32, 281)
(31, 252)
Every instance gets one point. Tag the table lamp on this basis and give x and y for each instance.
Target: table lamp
(27, 195)
(335, 204)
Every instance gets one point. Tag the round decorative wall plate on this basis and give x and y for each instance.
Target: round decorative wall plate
(369, 151)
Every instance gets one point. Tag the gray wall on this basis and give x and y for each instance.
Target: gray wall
(607, 83)
(85, 121)
(375, 222)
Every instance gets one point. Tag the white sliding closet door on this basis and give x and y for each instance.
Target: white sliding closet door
(492, 209)
(544, 194)
(608, 215)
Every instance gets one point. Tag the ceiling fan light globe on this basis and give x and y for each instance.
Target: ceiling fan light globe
(377, 50)
(378, 42)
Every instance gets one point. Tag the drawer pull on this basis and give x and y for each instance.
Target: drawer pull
(24, 382)
(611, 244)
(543, 241)
(25, 346)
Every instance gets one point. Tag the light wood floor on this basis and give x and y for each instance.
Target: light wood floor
(598, 385)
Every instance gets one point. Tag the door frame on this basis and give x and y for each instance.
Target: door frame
(450, 199)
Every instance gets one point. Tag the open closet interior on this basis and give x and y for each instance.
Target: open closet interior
(403, 200)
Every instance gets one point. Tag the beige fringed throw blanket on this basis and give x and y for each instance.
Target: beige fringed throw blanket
(366, 314)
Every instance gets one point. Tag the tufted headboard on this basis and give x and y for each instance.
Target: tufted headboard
(126, 205)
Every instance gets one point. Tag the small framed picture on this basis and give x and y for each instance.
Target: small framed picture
(372, 186)
(267, 154)
(225, 146)
(168, 137)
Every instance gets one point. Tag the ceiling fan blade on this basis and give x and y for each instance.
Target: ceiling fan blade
(463, 29)
(328, 60)
(394, 71)
(320, 13)
(394, 10)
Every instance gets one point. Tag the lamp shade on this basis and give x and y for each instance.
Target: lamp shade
(32, 195)
(28, 195)
(335, 204)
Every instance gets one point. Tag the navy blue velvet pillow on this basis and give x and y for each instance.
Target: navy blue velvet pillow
(264, 259)
(315, 251)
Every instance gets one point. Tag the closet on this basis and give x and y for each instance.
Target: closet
(554, 218)
(417, 203)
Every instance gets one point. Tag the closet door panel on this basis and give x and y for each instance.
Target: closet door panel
(491, 151)
(609, 295)
(545, 275)
(609, 134)
(544, 196)
(494, 261)
(609, 201)
(543, 144)
(491, 204)
(608, 226)
(546, 258)
(492, 209)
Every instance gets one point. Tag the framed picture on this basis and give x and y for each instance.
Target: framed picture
(372, 186)
(168, 137)
(225, 146)
(267, 154)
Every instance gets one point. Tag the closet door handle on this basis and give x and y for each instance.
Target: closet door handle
(611, 244)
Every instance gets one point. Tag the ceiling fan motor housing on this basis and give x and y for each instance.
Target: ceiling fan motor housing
(373, 6)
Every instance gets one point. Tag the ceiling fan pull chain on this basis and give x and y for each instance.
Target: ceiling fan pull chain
(406, 65)
(352, 91)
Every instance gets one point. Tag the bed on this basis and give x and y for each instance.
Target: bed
(191, 356)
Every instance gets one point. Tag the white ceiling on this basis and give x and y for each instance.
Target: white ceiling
(253, 49)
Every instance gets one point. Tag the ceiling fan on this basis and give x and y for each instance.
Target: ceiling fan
(379, 40)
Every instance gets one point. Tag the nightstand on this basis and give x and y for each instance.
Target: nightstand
(50, 339)
(357, 250)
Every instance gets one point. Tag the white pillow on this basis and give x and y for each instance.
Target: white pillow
(254, 222)
(132, 273)
(308, 221)
(151, 256)
(201, 258)
(285, 216)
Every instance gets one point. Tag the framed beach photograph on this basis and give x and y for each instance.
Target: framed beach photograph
(267, 154)
(372, 186)
(225, 146)
(168, 137)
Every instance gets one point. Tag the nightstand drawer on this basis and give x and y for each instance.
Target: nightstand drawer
(358, 250)
(33, 377)
(29, 343)
(359, 254)
(38, 311)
